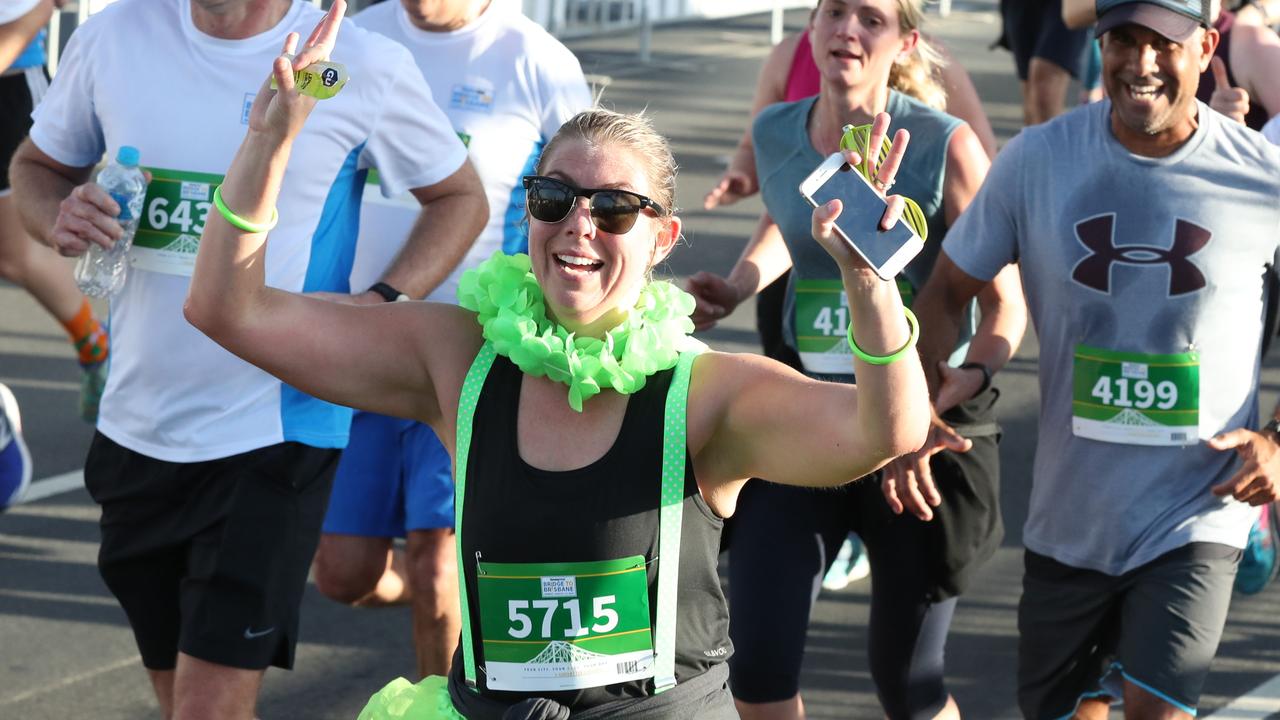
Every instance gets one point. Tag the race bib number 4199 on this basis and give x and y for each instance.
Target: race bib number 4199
(1134, 398)
(564, 626)
(173, 217)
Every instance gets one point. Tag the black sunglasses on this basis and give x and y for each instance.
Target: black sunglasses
(613, 211)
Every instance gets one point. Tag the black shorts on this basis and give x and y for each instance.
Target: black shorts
(1082, 633)
(1034, 28)
(19, 94)
(210, 558)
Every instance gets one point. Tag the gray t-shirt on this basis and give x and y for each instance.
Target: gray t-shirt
(1146, 256)
(785, 157)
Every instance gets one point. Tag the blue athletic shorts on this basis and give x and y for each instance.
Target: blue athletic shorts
(393, 477)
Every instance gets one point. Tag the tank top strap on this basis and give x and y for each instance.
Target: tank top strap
(471, 387)
(670, 521)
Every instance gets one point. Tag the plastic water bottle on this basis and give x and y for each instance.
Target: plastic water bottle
(101, 272)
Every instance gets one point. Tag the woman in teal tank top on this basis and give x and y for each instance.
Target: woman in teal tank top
(561, 617)
(784, 539)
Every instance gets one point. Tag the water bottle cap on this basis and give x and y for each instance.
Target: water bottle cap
(128, 155)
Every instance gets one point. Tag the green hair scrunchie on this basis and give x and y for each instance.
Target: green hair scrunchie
(509, 305)
(402, 700)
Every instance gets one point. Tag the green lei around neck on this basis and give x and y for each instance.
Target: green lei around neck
(508, 303)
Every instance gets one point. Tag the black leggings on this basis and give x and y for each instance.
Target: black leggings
(785, 539)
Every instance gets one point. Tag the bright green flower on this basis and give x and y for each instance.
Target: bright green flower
(510, 307)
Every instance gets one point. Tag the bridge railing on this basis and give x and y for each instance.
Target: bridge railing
(563, 18)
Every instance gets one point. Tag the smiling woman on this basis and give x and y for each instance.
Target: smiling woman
(588, 522)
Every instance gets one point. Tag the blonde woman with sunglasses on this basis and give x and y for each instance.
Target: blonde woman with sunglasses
(595, 450)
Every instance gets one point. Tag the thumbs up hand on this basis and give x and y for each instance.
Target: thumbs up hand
(1230, 101)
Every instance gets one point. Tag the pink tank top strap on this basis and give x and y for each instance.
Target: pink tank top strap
(803, 80)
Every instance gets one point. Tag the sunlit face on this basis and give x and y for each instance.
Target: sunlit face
(436, 13)
(1152, 80)
(855, 42)
(589, 276)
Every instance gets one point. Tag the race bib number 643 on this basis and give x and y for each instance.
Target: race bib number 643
(173, 217)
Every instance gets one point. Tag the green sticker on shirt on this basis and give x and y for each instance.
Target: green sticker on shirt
(564, 626)
(1134, 398)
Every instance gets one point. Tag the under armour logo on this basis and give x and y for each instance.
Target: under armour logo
(1098, 235)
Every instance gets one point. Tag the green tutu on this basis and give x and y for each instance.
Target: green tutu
(402, 700)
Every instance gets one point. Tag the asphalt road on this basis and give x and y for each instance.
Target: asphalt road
(65, 648)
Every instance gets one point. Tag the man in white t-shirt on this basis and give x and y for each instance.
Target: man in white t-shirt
(213, 476)
(506, 86)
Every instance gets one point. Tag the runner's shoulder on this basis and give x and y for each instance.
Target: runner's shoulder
(1245, 146)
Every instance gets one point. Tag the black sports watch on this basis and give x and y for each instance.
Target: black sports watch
(986, 375)
(388, 293)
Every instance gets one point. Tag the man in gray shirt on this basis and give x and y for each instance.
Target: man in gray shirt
(1142, 226)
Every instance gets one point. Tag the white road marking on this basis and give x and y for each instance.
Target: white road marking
(56, 485)
(1258, 704)
(72, 680)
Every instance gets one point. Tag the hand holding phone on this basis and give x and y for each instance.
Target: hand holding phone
(866, 222)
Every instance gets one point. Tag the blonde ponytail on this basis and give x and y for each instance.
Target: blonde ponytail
(919, 74)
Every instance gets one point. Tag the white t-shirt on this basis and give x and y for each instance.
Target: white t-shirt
(11, 10)
(507, 86)
(1271, 130)
(140, 73)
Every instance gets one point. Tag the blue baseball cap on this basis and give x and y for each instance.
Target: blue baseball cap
(1174, 19)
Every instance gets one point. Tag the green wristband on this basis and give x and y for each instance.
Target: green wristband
(239, 222)
(894, 357)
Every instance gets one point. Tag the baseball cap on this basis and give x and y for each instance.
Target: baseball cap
(1174, 19)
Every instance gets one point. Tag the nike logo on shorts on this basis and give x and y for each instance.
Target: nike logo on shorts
(249, 634)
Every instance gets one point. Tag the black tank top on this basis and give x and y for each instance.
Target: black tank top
(1257, 115)
(514, 512)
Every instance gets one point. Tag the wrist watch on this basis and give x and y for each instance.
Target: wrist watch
(986, 375)
(388, 293)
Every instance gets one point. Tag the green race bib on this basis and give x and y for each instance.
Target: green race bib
(173, 217)
(564, 626)
(1135, 399)
(822, 321)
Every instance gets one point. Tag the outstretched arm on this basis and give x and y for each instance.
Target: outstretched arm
(761, 419)
(739, 180)
(940, 308)
(372, 358)
(454, 211)
(762, 261)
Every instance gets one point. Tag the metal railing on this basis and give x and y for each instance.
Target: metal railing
(563, 18)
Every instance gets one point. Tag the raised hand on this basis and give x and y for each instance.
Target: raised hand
(283, 112)
(1230, 101)
(882, 174)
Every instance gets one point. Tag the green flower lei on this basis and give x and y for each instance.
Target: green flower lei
(508, 303)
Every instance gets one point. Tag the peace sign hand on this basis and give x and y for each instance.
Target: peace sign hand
(882, 178)
(282, 113)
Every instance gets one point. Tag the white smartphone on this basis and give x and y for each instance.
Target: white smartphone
(886, 251)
